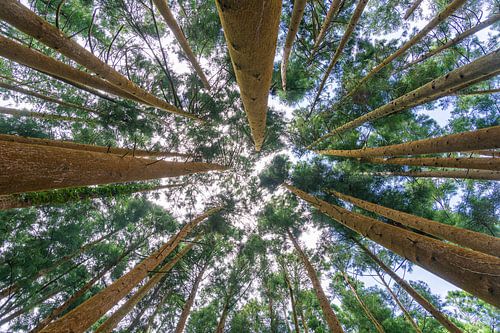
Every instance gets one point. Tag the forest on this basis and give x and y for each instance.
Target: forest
(240, 166)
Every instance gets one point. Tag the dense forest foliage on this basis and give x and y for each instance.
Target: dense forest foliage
(249, 166)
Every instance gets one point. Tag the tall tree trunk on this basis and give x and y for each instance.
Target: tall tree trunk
(285, 318)
(486, 138)
(365, 308)
(472, 271)
(303, 319)
(251, 31)
(465, 174)
(412, 292)
(179, 35)
(332, 12)
(407, 315)
(474, 240)
(340, 48)
(109, 324)
(292, 300)
(21, 17)
(330, 317)
(270, 304)
(297, 13)
(28, 168)
(87, 313)
(222, 321)
(479, 70)
(444, 162)
(186, 309)
(412, 8)
(41, 115)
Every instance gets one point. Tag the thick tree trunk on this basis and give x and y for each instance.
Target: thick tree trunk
(179, 35)
(25, 168)
(87, 313)
(292, 301)
(474, 240)
(486, 138)
(251, 31)
(460, 174)
(472, 271)
(297, 13)
(330, 317)
(479, 70)
(444, 162)
(412, 292)
(19, 16)
(365, 308)
(412, 8)
(330, 15)
(40, 115)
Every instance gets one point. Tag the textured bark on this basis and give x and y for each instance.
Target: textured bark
(460, 174)
(292, 301)
(330, 15)
(87, 313)
(251, 31)
(40, 115)
(440, 317)
(412, 8)
(297, 13)
(25, 168)
(476, 71)
(179, 35)
(445, 162)
(330, 317)
(109, 324)
(19, 16)
(473, 240)
(347, 35)
(365, 308)
(472, 271)
(486, 138)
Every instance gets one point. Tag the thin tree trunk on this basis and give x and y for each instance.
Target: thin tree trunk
(444, 162)
(179, 35)
(272, 318)
(40, 115)
(412, 8)
(472, 271)
(365, 308)
(297, 13)
(26, 168)
(400, 305)
(330, 317)
(87, 313)
(285, 318)
(109, 324)
(440, 317)
(303, 319)
(222, 321)
(21, 17)
(332, 12)
(292, 301)
(460, 174)
(474, 240)
(486, 138)
(476, 71)
(251, 31)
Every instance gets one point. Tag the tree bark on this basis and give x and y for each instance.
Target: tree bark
(444, 162)
(330, 15)
(26, 168)
(179, 35)
(87, 313)
(440, 317)
(292, 301)
(251, 31)
(472, 271)
(461, 174)
(473, 240)
(412, 8)
(330, 317)
(222, 321)
(297, 13)
(40, 115)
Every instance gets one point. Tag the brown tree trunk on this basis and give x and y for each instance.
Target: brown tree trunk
(460, 174)
(412, 292)
(40, 115)
(332, 12)
(25, 168)
(479, 70)
(222, 321)
(412, 8)
(444, 162)
(365, 308)
(251, 31)
(330, 317)
(87, 313)
(179, 35)
(292, 301)
(303, 319)
(297, 13)
(474, 240)
(472, 271)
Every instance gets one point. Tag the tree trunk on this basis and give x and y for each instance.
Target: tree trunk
(400, 305)
(297, 13)
(87, 313)
(186, 309)
(251, 31)
(109, 324)
(444, 162)
(412, 8)
(474, 240)
(472, 271)
(330, 317)
(347, 35)
(440, 317)
(292, 301)
(486, 138)
(272, 318)
(285, 318)
(332, 12)
(464, 174)
(179, 35)
(303, 319)
(365, 308)
(28, 168)
(479, 70)
(19, 16)
(40, 115)
(222, 321)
